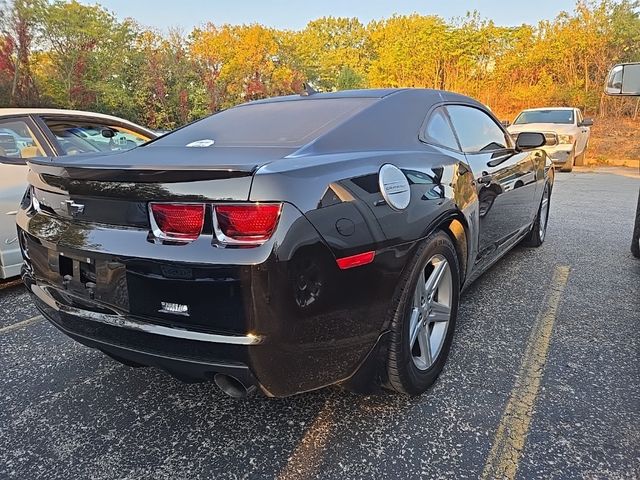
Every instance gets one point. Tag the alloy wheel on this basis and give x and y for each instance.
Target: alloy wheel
(430, 312)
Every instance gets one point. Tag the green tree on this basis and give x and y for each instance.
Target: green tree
(87, 50)
(18, 27)
(408, 51)
(330, 48)
(348, 79)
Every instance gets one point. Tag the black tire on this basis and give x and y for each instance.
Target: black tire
(536, 236)
(580, 159)
(403, 375)
(568, 166)
(635, 240)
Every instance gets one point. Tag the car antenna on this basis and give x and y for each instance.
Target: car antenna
(307, 90)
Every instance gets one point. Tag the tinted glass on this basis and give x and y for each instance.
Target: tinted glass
(476, 130)
(439, 130)
(17, 140)
(287, 123)
(545, 116)
(79, 136)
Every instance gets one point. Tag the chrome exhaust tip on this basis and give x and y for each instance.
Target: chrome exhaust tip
(232, 386)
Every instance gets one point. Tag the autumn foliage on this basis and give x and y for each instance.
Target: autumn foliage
(70, 55)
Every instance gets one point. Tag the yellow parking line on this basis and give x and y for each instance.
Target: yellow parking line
(511, 435)
(19, 325)
(306, 459)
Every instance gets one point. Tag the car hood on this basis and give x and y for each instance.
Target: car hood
(542, 127)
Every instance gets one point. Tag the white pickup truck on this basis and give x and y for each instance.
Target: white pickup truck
(567, 133)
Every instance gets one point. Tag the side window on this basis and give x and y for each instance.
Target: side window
(439, 130)
(17, 140)
(80, 136)
(579, 118)
(476, 130)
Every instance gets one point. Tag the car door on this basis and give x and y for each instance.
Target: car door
(19, 140)
(505, 179)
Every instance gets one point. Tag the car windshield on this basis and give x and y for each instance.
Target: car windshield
(545, 116)
(286, 123)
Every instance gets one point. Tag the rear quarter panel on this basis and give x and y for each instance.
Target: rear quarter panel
(329, 188)
(339, 195)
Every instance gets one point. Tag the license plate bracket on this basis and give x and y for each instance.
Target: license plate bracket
(103, 280)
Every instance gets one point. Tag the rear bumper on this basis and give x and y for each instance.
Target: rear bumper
(288, 323)
(187, 359)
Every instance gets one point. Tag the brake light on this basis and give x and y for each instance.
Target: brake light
(251, 223)
(177, 221)
(355, 260)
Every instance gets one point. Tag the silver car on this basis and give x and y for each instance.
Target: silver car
(567, 133)
(27, 133)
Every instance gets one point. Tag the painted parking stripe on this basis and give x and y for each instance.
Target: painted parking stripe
(510, 438)
(306, 459)
(22, 324)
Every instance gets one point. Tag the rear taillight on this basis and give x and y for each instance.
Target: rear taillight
(177, 221)
(250, 224)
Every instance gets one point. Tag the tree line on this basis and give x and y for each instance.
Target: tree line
(65, 54)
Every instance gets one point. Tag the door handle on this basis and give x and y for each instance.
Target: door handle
(485, 179)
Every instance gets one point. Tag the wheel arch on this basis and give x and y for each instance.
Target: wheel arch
(456, 227)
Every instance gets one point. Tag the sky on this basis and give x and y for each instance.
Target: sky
(186, 14)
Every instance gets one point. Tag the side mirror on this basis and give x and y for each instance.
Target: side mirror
(623, 80)
(505, 123)
(587, 122)
(530, 140)
(107, 133)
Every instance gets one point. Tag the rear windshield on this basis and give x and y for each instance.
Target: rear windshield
(545, 116)
(285, 123)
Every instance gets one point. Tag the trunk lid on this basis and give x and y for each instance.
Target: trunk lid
(151, 159)
(115, 189)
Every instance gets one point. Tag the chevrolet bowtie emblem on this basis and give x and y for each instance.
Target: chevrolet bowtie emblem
(72, 207)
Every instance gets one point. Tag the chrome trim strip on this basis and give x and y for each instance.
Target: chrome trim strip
(121, 321)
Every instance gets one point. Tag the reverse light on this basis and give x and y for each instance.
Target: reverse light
(175, 308)
(355, 260)
(177, 221)
(248, 223)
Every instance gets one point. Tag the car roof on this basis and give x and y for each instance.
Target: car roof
(379, 93)
(10, 112)
(361, 93)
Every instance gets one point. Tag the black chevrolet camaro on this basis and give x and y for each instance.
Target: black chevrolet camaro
(286, 244)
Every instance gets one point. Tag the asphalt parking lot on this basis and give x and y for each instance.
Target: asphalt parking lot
(543, 381)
